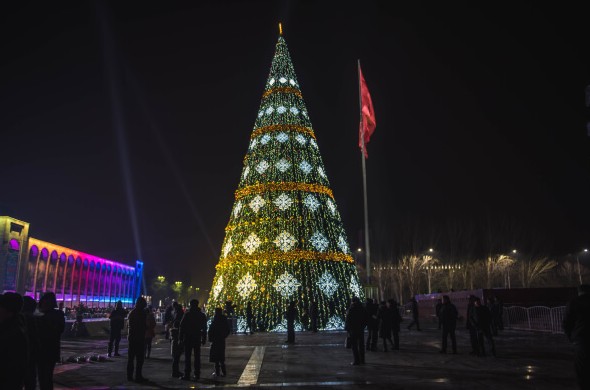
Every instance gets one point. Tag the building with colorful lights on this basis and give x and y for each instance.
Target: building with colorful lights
(30, 267)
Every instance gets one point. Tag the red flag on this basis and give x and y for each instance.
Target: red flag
(368, 123)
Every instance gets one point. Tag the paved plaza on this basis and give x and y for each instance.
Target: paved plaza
(319, 361)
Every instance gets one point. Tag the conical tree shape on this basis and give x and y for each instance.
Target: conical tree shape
(285, 240)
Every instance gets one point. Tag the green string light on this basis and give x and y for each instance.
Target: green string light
(285, 239)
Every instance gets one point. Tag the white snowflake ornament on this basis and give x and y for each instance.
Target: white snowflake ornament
(305, 167)
(283, 202)
(331, 206)
(246, 285)
(262, 167)
(301, 139)
(285, 241)
(282, 137)
(257, 203)
(286, 285)
(227, 247)
(319, 241)
(354, 287)
(282, 165)
(237, 209)
(343, 245)
(327, 284)
(218, 287)
(311, 202)
(251, 244)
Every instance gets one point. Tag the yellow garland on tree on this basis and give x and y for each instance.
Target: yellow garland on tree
(294, 91)
(292, 256)
(288, 186)
(271, 128)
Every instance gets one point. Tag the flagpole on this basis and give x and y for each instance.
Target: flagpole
(367, 246)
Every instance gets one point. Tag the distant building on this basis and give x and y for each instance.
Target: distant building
(30, 267)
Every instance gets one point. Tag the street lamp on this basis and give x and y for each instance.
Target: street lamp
(429, 268)
(578, 261)
(514, 252)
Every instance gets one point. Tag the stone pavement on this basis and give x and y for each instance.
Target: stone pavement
(320, 361)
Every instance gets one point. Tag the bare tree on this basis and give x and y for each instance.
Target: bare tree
(568, 273)
(429, 266)
(411, 266)
(533, 270)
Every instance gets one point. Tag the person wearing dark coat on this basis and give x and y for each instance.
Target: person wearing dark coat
(137, 324)
(117, 320)
(313, 316)
(193, 334)
(576, 325)
(483, 323)
(355, 324)
(176, 346)
(249, 318)
(291, 315)
(13, 339)
(218, 332)
(385, 319)
(167, 320)
(471, 325)
(373, 324)
(51, 324)
(28, 312)
(396, 320)
(415, 315)
(437, 308)
(448, 317)
(497, 310)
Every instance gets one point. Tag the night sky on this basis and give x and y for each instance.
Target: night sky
(480, 117)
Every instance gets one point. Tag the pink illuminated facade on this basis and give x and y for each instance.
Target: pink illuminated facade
(31, 266)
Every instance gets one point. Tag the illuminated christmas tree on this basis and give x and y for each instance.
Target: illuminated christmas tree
(285, 240)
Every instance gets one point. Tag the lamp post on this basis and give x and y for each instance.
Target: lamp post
(578, 261)
(514, 253)
(429, 268)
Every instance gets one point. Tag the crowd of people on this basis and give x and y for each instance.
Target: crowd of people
(32, 330)
(186, 330)
(30, 334)
(382, 321)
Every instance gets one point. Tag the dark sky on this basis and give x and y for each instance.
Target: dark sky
(480, 115)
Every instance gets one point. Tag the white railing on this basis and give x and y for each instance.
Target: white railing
(538, 318)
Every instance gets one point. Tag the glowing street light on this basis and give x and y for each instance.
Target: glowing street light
(578, 261)
(514, 251)
(431, 250)
(359, 250)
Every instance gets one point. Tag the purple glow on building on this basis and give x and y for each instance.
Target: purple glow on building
(14, 245)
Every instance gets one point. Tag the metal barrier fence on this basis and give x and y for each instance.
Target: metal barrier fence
(538, 318)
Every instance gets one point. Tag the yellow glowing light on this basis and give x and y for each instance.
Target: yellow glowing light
(293, 256)
(271, 128)
(280, 28)
(285, 186)
(282, 90)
